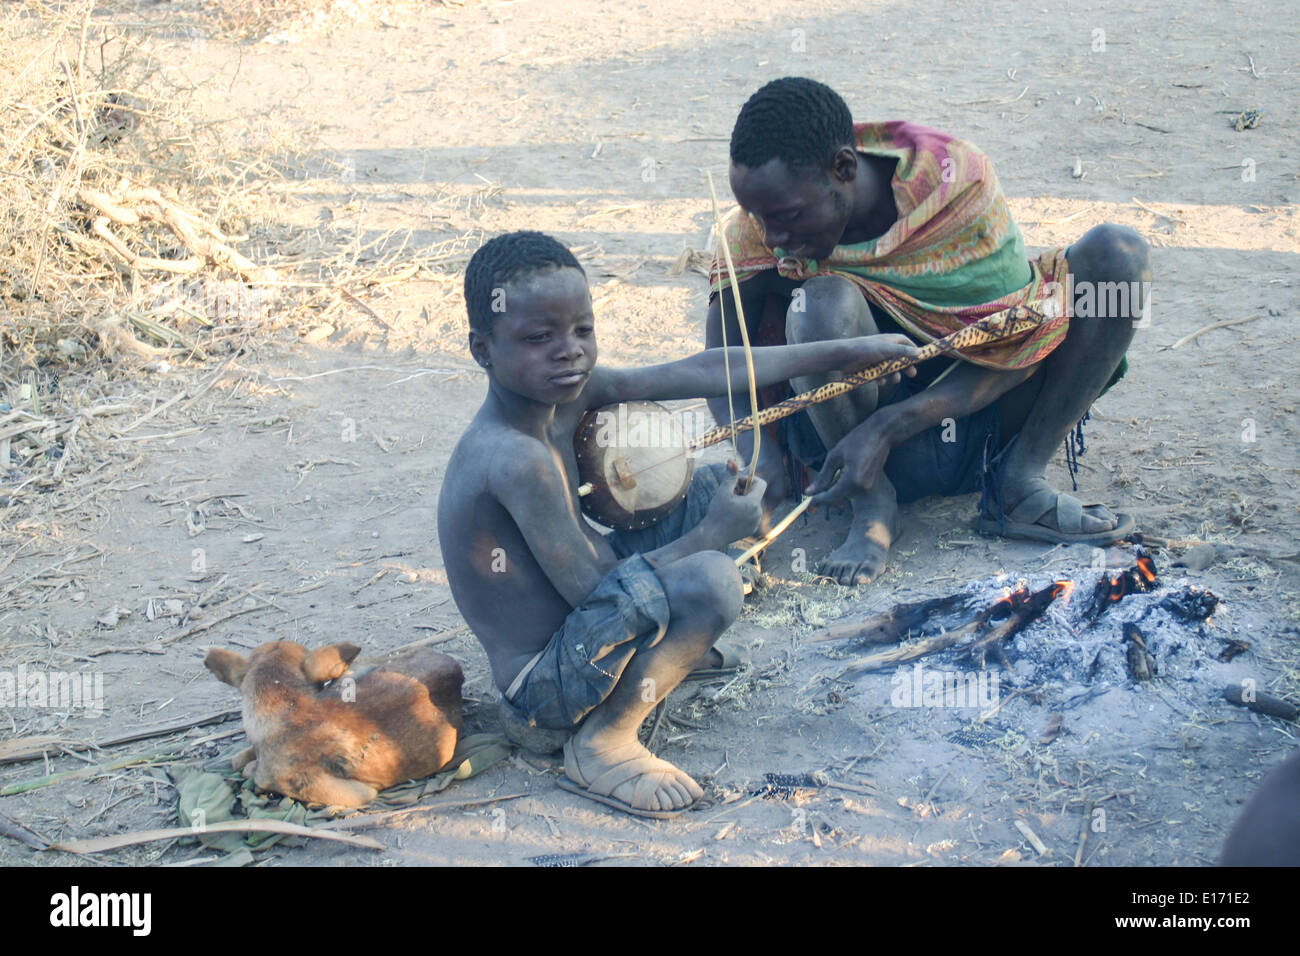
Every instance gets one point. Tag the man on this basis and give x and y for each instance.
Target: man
(848, 230)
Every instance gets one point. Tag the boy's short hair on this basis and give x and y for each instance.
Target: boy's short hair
(797, 120)
(503, 259)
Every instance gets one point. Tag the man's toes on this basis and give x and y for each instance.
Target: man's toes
(830, 569)
(671, 795)
(1097, 518)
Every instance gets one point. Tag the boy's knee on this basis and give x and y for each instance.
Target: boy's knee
(827, 307)
(706, 585)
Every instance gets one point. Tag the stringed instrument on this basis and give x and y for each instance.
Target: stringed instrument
(636, 463)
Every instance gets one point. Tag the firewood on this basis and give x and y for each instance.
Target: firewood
(891, 626)
(1261, 703)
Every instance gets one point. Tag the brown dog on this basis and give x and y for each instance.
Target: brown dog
(340, 745)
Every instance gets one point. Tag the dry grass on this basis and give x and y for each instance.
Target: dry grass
(284, 19)
(135, 239)
(114, 198)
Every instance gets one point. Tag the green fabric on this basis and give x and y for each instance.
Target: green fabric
(1120, 371)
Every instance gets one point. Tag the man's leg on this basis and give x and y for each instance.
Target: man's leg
(704, 597)
(1043, 410)
(834, 308)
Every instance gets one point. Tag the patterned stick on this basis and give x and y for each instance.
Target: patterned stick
(1016, 321)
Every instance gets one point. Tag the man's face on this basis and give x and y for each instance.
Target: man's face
(803, 214)
(543, 346)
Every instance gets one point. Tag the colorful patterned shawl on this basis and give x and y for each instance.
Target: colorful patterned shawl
(954, 256)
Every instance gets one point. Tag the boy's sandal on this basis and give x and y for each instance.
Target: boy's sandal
(645, 768)
(733, 658)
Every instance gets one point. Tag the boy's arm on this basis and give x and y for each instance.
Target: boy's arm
(530, 484)
(703, 375)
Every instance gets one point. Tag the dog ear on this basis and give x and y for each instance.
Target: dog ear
(228, 666)
(329, 662)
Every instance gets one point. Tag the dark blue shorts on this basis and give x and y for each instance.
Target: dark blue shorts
(626, 612)
(938, 461)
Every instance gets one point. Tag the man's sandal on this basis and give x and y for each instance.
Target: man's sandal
(1022, 521)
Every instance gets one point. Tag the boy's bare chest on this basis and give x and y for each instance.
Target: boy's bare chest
(560, 438)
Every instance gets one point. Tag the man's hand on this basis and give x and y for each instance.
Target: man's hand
(859, 458)
(733, 515)
(873, 349)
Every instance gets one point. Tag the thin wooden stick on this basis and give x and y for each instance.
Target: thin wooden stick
(1211, 327)
(225, 826)
(31, 748)
(900, 655)
(51, 779)
(889, 627)
(373, 819)
(776, 531)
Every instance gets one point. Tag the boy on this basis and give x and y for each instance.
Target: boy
(584, 631)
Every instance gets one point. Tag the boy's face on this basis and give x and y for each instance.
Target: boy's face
(543, 346)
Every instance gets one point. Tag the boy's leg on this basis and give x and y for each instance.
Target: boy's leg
(706, 482)
(834, 308)
(704, 597)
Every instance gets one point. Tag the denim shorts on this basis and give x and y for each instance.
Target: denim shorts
(626, 612)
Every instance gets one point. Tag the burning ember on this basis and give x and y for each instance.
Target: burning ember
(1138, 579)
(1191, 605)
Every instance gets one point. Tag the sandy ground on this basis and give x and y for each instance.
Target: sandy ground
(307, 477)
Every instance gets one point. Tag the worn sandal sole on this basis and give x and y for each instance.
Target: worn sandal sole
(1036, 532)
(566, 784)
(732, 661)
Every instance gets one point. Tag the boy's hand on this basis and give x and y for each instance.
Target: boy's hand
(733, 515)
(873, 349)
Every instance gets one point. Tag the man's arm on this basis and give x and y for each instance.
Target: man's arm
(969, 388)
(860, 455)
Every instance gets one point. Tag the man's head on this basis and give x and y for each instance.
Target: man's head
(530, 317)
(793, 165)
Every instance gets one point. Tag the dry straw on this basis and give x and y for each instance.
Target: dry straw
(133, 234)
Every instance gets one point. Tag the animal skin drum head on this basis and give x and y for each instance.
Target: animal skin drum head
(636, 458)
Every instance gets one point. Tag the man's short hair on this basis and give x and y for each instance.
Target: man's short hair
(797, 120)
(502, 260)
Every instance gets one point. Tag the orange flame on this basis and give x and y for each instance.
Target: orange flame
(1063, 591)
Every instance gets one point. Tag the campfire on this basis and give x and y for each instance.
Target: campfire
(1121, 632)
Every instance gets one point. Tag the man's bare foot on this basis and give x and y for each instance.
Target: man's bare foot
(863, 555)
(622, 773)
